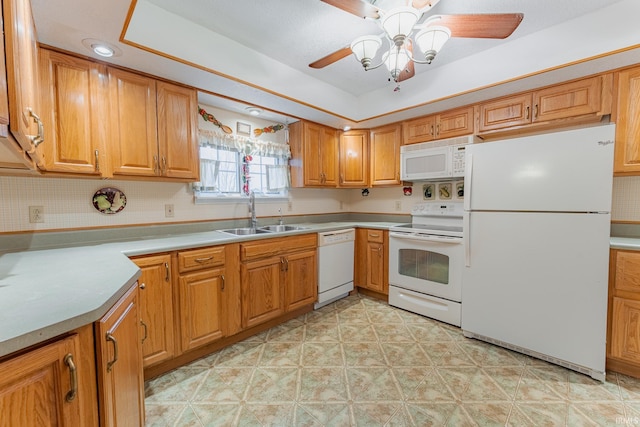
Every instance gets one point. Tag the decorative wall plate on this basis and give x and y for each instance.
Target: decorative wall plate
(109, 200)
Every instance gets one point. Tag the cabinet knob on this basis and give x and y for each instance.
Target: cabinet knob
(143, 286)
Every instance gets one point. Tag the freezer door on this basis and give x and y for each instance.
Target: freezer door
(570, 171)
(539, 281)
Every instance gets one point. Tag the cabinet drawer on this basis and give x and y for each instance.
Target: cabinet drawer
(273, 247)
(375, 236)
(200, 258)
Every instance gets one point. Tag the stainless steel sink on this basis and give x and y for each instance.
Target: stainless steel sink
(281, 228)
(244, 231)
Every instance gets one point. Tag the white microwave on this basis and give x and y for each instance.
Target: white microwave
(435, 160)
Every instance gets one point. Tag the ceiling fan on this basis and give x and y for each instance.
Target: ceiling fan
(402, 29)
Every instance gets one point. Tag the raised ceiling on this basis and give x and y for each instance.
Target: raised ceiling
(256, 52)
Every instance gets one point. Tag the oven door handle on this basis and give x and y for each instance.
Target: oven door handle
(424, 238)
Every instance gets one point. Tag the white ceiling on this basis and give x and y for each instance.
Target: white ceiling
(256, 52)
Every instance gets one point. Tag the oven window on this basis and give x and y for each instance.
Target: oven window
(425, 265)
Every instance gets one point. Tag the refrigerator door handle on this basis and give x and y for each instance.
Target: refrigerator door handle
(468, 175)
(466, 220)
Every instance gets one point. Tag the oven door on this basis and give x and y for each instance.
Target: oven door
(427, 264)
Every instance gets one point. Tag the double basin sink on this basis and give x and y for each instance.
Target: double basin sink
(260, 230)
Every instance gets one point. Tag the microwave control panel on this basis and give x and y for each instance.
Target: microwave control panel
(458, 160)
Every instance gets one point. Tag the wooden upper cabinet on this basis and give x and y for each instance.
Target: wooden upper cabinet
(354, 159)
(75, 114)
(447, 124)
(385, 155)
(177, 131)
(584, 100)
(627, 149)
(134, 138)
(505, 112)
(21, 57)
(154, 126)
(314, 155)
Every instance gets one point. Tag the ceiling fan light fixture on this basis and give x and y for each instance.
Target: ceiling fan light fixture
(431, 39)
(399, 22)
(365, 49)
(396, 60)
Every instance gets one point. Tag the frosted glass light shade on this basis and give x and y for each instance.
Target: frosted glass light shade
(365, 48)
(396, 61)
(399, 22)
(431, 39)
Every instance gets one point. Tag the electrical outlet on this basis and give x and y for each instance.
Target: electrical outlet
(168, 211)
(36, 214)
(341, 205)
(290, 206)
(398, 205)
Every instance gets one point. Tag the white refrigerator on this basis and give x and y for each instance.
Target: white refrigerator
(536, 235)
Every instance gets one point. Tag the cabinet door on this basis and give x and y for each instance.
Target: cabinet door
(119, 360)
(22, 70)
(37, 388)
(261, 292)
(505, 112)
(301, 279)
(375, 262)
(177, 128)
(385, 155)
(419, 130)
(568, 100)
(312, 161)
(625, 330)
(74, 99)
(455, 123)
(201, 307)
(156, 308)
(627, 148)
(329, 154)
(134, 138)
(354, 159)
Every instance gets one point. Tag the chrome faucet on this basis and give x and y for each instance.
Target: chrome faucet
(252, 209)
(280, 222)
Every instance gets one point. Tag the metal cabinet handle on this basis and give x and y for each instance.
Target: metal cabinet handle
(97, 155)
(38, 139)
(535, 111)
(526, 115)
(223, 282)
(282, 264)
(438, 129)
(166, 271)
(432, 134)
(201, 260)
(374, 235)
(73, 372)
(111, 338)
(286, 264)
(155, 165)
(144, 325)
(164, 165)
(379, 251)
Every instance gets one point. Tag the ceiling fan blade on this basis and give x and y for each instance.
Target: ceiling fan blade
(331, 58)
(357, 7)
(484, 26)
(410, 70)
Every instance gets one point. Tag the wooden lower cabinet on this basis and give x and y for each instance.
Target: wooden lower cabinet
(42, 387)
(119, 362)
(627, 148)
(156, 308)
(623, 342)
(372, 260)
(277, 276)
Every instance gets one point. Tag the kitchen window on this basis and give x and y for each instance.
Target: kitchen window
(231, 167)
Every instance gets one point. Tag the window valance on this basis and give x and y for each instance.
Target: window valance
(244, 145)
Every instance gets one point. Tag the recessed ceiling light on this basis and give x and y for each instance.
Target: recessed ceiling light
(253, 111)
(102, 48)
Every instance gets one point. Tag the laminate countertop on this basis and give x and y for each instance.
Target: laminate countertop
(46, 293)
(631, 243)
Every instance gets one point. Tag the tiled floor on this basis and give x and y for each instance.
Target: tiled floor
(361, 362)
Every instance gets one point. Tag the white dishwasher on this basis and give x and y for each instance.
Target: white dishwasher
(335, 265)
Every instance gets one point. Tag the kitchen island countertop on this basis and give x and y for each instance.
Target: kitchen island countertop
(46, 293)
